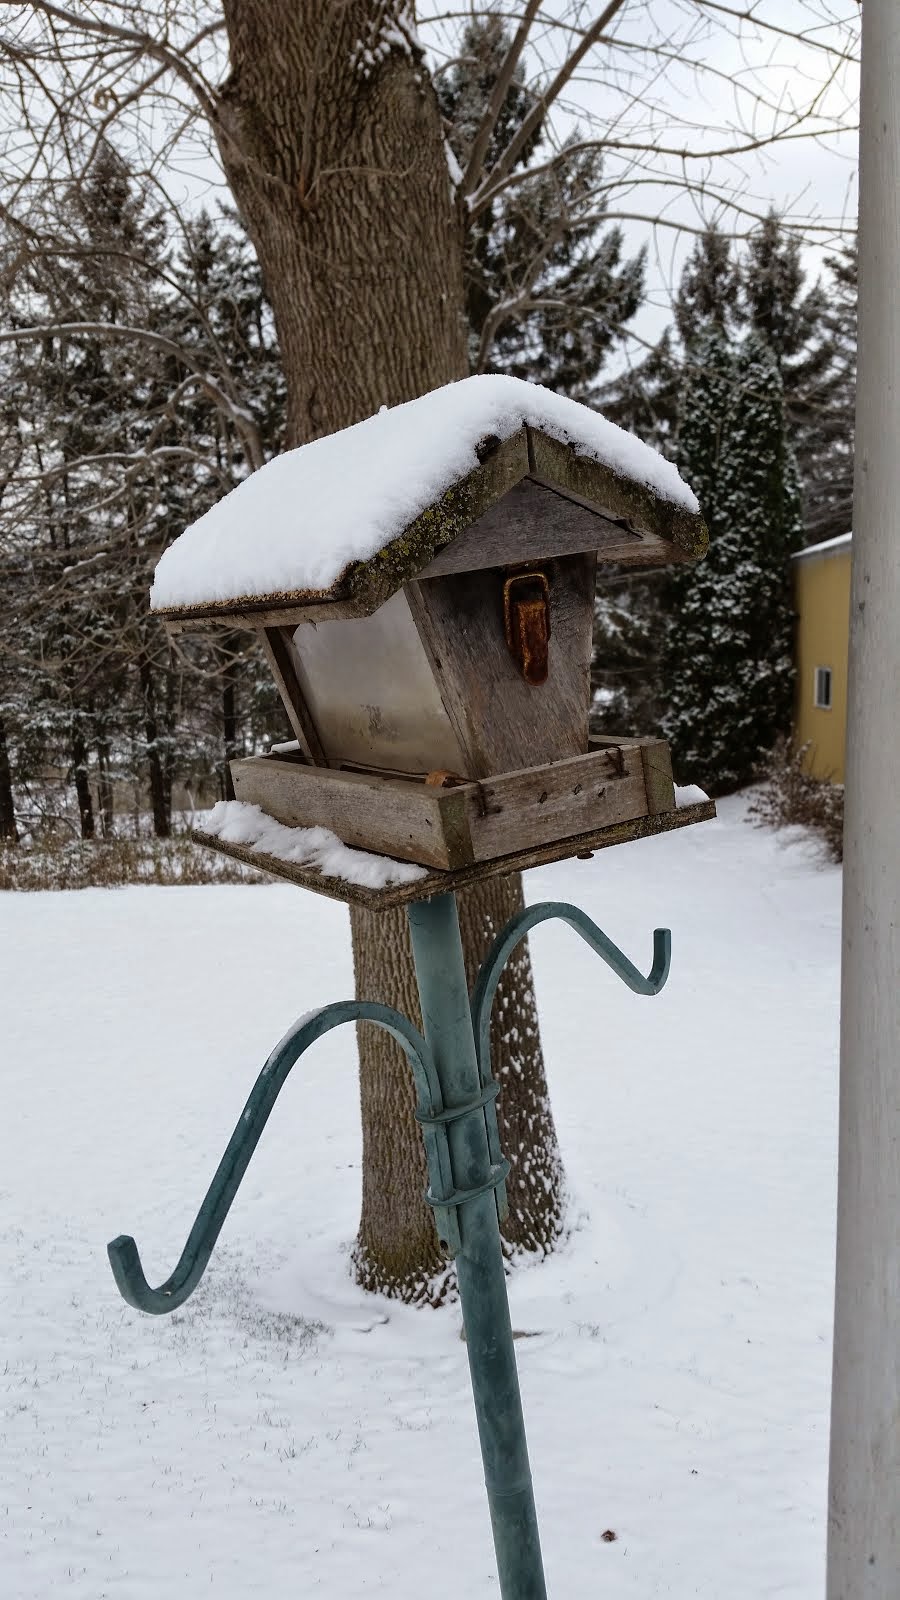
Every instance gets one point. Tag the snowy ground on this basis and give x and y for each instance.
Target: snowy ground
(285, 1435)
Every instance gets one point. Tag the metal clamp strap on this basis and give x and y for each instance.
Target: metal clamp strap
(458, 1197)
(437, 1118)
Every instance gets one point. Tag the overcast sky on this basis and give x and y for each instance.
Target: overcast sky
(698, 76)
(684, 74)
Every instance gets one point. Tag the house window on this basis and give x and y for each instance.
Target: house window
(823, 688)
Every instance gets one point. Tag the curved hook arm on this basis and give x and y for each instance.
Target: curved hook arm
(516, 929)
(123, 1252)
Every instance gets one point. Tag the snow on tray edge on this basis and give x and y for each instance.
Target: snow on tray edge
(690, 794)
(317, 849)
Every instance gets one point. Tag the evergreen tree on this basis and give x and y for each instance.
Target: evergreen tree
(728, 647)
(78, 536)
(775, 302)
(809, 330)
(826, 451)
(629, 606)
(631, 611)
(548, 289)
(804, 329)
(109, 448)
(811, 335)
(465, 89)
(706, 404)
(644, 397)
(708, 293)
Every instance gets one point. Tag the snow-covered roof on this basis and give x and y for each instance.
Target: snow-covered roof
(842, 540)
(298, 527)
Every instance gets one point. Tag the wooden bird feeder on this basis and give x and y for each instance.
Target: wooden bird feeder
(438, 686)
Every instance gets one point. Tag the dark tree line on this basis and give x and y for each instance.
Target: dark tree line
(110, 445)
(752, 394)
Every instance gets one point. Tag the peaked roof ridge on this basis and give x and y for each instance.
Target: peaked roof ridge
(358, 513)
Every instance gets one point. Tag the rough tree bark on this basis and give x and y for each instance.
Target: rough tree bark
(333, 148)
(331, 138)
(397, 1250)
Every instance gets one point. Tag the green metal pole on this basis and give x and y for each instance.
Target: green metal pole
(447, 1025)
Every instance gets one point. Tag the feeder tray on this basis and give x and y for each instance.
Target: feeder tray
(464, 831)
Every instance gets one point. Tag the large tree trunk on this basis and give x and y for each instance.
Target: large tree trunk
(332, 142)
(397, 1250)
(168, 760)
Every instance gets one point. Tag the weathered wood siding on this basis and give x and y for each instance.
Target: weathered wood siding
(501, 722)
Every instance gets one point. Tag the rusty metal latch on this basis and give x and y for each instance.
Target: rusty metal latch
(526, 621)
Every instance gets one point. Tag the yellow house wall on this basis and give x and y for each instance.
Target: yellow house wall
(822, 599)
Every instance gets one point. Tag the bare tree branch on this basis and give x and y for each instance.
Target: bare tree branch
(494, 106)
(177, 61)
(486, 196)
(237, 414)
(752, 16)
(542, 105)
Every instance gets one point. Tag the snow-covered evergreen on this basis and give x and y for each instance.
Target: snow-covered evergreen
(549, 289)
(727, 653)
(709, 290)
(826, 459)
(677, 398)
(108, 445)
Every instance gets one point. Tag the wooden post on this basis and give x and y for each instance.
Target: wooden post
(864, 1522)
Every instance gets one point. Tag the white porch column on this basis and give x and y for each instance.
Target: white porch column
(864, 1493)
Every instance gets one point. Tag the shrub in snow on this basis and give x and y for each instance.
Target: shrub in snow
(789, 797)
(51, 863)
